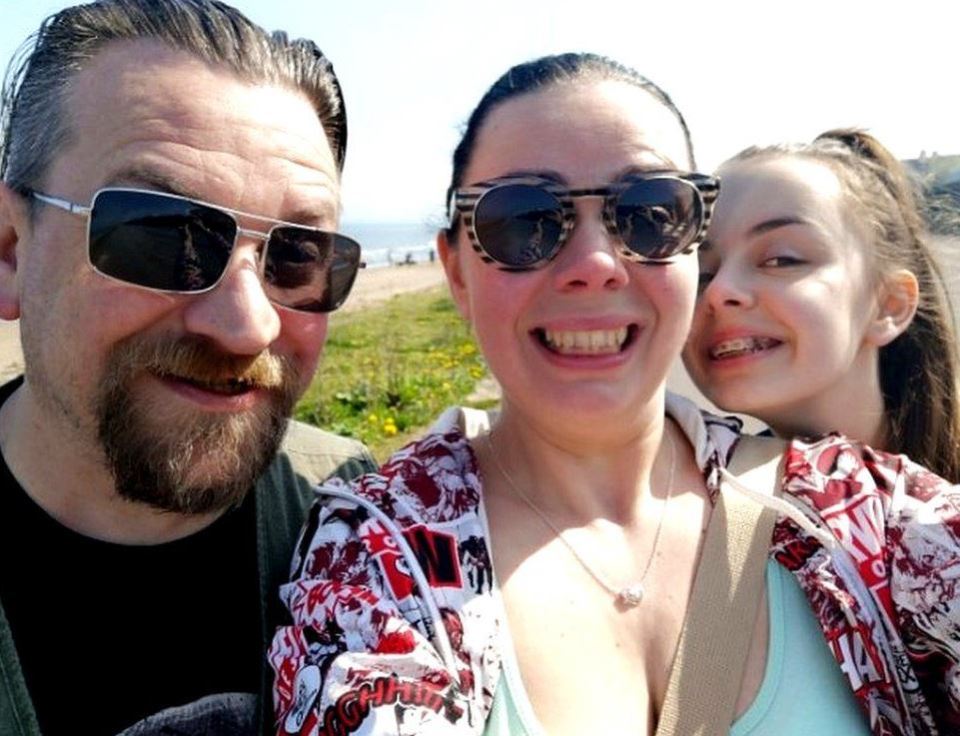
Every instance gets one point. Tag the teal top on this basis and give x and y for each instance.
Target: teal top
(800, 671)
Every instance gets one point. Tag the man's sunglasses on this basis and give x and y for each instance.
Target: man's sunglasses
(520, 223)
(178, 245)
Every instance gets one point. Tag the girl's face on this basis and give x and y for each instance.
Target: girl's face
(789, 317)
(589, 335)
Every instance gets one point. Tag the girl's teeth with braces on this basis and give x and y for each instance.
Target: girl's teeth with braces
(589, 342)
(742, 345)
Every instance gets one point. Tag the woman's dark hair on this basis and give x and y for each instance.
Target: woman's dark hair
(541, 73)
(919, 374)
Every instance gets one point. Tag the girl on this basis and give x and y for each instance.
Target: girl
(821, 306)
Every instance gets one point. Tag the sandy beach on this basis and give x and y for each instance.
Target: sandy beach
(375, 285)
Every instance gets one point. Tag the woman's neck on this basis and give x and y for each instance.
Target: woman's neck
(592, 473)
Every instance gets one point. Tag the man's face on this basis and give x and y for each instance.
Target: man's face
(185, 395)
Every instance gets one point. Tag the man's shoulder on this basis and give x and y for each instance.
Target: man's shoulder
(305, 439)
(313, 455)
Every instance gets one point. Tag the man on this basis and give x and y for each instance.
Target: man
(170, 187)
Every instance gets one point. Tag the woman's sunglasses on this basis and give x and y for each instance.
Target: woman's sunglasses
(178, 245)
(521, 223)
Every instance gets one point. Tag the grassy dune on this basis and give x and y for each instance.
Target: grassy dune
(389, 370)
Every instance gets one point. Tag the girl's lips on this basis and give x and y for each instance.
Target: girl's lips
(586, 342)
(739, 346)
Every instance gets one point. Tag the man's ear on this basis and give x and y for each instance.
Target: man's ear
(897, 301)
(14, 226)
(450, 256)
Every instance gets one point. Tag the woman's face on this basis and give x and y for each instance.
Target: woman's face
(784, 327)
(589, 335)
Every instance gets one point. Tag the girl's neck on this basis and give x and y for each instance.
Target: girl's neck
(856, 412)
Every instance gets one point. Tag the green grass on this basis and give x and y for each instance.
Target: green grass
(389, 370)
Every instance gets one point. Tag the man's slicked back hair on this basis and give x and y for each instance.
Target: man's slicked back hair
(33, 120)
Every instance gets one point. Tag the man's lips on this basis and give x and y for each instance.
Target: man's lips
(586, 342)
(225, 386)
(740, 346)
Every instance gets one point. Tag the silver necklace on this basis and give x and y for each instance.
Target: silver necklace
(630, 595)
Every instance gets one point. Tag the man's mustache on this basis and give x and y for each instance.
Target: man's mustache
(197, 359)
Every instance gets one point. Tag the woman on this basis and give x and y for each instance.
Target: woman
(822, 308)
(535, 578)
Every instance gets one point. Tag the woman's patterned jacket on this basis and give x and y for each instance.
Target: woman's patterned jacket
(395, 628)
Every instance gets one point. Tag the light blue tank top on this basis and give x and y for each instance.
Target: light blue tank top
(803, 690)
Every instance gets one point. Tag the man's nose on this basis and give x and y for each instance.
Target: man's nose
(236, 314)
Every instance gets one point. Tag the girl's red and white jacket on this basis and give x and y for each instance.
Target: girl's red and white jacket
(396, 630)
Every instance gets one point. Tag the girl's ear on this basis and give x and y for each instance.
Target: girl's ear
(14, 225)
(897, 301)
(450, 256)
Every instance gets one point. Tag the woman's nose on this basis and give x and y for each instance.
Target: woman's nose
(589, 259)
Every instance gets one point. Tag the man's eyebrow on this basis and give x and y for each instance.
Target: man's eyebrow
(152, 179)
(775, 222)
(308, 217)
(140, 176)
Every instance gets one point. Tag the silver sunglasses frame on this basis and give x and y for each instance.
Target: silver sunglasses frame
(81, 210)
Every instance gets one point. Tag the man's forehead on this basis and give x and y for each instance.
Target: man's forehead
(143, 113)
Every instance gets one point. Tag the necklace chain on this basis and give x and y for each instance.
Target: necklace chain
(631, 595)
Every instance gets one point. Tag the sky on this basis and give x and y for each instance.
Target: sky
(742, 71)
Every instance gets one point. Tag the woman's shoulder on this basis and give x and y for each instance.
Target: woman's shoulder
(712, 437)
(431, 479)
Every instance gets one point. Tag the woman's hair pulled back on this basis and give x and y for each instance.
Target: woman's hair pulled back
(544, 72)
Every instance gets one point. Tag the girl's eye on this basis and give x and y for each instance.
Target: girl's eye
(782, 261)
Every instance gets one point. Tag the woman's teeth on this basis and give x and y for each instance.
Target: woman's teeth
(585, 342)
(741, 346)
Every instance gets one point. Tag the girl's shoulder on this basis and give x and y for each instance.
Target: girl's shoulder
(831, 470)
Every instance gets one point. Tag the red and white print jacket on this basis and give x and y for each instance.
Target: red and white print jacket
(395, 629)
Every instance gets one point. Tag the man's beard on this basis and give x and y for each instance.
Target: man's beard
(190, 462)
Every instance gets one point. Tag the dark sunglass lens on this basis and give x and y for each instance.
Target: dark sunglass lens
(659, 218)
(519, 225)
(310, 270)
(158, 241)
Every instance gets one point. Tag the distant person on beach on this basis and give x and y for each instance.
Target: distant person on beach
(821, 305)
(535, 577)
(165, 166)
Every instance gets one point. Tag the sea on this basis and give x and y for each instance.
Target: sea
(391, 243)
